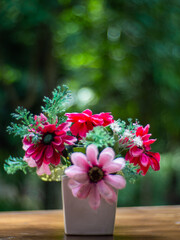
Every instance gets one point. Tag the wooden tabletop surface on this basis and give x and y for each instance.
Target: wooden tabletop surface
(131, 223)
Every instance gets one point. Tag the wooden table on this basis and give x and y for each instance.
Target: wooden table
(131, 223)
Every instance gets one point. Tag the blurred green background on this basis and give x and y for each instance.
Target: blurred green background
(115, 55)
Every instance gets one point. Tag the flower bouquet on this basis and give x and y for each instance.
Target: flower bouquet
(93, 154)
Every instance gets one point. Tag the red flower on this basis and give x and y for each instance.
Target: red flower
(139, 154)
(50, 147)
(106, 117)
(85, 121)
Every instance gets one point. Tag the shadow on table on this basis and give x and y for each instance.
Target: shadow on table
(88, 237)
(111, 238)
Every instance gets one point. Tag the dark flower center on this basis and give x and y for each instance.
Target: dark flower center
(95, 174)
(48, 138)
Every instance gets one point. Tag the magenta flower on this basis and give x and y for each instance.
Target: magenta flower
(49, 149)
(139, 153)
(94, 178)
(86, 121)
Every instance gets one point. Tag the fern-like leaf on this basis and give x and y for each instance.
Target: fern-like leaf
(13, 164)
(130, 172)
(100, 137)
(17, 129)
(25, 121)
(57, 105)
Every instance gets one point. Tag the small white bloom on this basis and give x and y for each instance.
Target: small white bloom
(115, 127)
(138, 141)
(127, 134)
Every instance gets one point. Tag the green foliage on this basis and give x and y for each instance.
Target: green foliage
(65, 161)
(120, 128)
(57, 105)
(24, 115)
(53, 107)
(130, 125)
(17, 129)
(12, 165)
(79, 148)
(130, 172)
(100, 137)
(27, 122)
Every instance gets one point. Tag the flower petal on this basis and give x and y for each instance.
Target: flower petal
(113, 199)
(57, 141)
(77, 173)
(55, 159)
(25, 147)
(148, 142)
(50, 128)
(73, 184)
(60, 148)
(49, 151)
(43, 169)
(75, 128)
(154, 160)
(87, 112)
(139, 131)
(31, 149)
(83, 130)
(26, 143)
(94, 197)
(109, 150)
(64, 126)
(37, 155)
(92, 153)
(89, 125)
(83, 191)
(97, 120)
(135, 161)
(146, 137)
(144, 159)
(106, 156)
(121, 162)
(104, 189)
(75, 190)
(114, 166)
(116, 181)
(146, 129)
(79, 159)
(143, 169)
(30, 161)
(128, 157)
(70, 140)
(106, 192)
(135, 151)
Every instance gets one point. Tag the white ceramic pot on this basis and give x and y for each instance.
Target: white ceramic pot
(80, 219)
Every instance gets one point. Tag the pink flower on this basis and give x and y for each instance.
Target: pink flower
(42, 119)
(43, 169)
(94, 178)
(86, 121)
(139, 154)
(49, 149)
